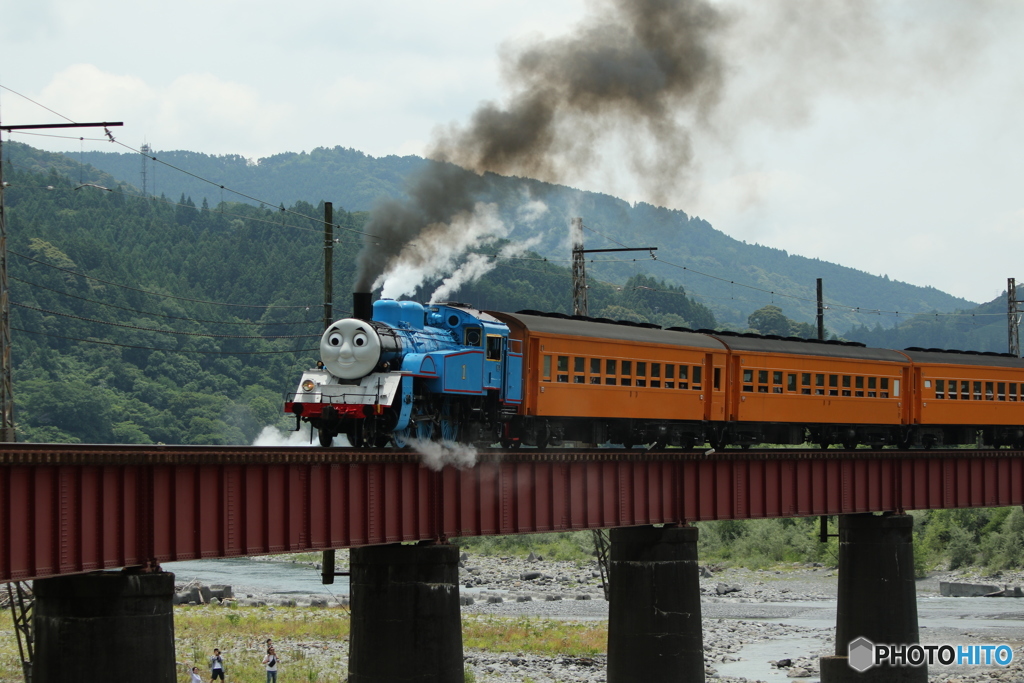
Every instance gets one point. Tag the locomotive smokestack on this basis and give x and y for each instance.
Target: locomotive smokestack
(362, 307)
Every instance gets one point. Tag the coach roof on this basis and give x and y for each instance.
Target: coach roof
(578, 326)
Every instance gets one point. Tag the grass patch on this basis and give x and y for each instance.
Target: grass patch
(573, 546)
(311, 641)
(534, 635)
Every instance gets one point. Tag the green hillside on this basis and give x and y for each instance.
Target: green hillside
(142, 320)
(719, 270)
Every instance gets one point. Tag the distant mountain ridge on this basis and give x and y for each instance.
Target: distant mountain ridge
(713, 267)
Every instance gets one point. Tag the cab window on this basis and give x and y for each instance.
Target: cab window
(494, 346)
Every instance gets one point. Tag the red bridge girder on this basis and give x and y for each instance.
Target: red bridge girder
(68, 509)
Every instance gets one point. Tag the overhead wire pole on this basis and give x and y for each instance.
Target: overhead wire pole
(1012, 317)
(328, 264)
(580, 307)
(6, 389)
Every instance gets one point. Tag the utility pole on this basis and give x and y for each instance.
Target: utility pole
(1013, 317)
(328, 264)
(602, 546)
(821, 313)
(579, 271)
(146, 151)
(6, 389)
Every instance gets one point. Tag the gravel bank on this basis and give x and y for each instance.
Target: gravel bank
(740, 608)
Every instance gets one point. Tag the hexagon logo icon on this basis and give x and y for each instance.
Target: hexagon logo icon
(861, 654)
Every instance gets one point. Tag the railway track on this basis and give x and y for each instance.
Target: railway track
(127, 455)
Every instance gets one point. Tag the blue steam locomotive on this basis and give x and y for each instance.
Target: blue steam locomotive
(398, 371)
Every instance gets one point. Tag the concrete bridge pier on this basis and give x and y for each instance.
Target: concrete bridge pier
(877, 598)
(406, 621)
(654, 622)
(90, 627)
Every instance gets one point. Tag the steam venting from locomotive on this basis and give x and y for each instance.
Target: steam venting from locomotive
(630, 68)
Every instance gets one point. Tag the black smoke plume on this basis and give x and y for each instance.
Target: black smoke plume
(634, 68)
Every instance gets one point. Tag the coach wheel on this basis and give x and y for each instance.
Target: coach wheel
(543, 436)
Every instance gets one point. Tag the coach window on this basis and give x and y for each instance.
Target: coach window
(655, 374)
(762, 377)
(641, 372)
(684, 375)
(1013, 391)
(748, 380)
(595, 370)
(952, 395)
(805, 383)
(791, 382)
(846, 385)
(627, 371)
(977, 391)
(990, 394)
(858, 383)
(1001, 391)
(579, 366)
(563, 369)
(965, 390)
(670, 376)
(696, 377)
(718, 379)
(872, 386)
(819, 383)
(896, 388)
(940, 388)
(833, 385)
(547, 368)
(610, 371)
(777, 381)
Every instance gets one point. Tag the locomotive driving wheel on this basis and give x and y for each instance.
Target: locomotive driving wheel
(326, 437)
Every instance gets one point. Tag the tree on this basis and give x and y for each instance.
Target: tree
(770, 320)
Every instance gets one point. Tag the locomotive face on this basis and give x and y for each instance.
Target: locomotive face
(350, 349)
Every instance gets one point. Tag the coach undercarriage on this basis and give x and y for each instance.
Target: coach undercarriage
(543, 432)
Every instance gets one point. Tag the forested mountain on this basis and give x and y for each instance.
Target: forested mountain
(983, 328)
(143, 320)
(711, 266)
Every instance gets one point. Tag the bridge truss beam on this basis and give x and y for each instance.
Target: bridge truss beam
(70, 509)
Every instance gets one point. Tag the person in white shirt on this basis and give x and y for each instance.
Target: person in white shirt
(196, 678)
(271, 661)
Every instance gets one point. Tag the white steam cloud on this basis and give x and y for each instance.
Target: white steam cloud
(437, 454)
(274, 437)
(437, 250)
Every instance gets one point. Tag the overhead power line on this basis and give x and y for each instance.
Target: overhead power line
(145, 291)
(153, 348)
(164, 315)
(153, 329)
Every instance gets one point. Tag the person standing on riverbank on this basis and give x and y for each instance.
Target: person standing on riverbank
(216, 666)
(196, 677)
(271, 662)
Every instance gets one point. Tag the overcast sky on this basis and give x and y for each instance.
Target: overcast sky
(885, 138)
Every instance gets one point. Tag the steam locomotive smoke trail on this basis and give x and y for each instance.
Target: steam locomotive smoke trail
(630, 68)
